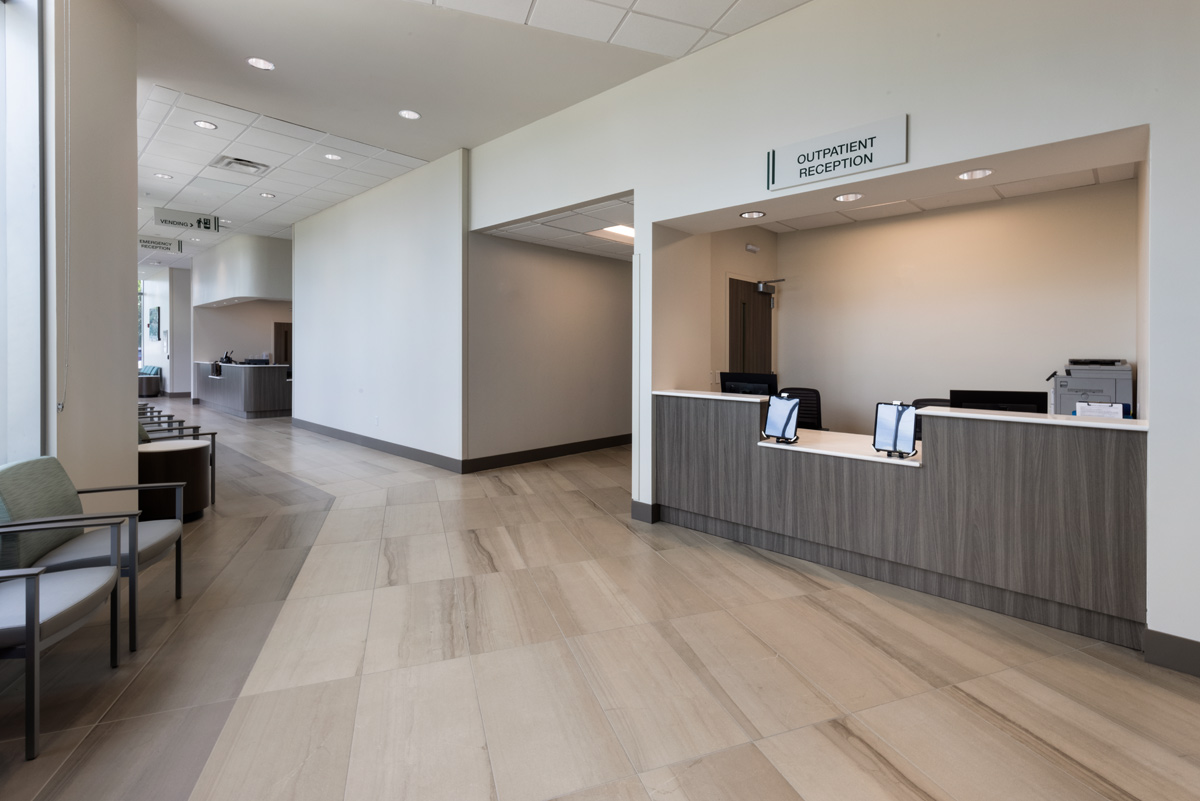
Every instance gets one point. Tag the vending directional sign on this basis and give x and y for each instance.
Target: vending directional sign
(186, 220)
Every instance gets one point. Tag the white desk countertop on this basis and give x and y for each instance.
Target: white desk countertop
(1037, 419)
(846, 446)
(721, 396)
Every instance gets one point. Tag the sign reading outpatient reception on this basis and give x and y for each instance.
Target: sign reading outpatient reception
(160, 243)
(867, 147)
(187, 220)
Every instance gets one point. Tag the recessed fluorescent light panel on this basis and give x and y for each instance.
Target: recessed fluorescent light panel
(623, 230)
(265, 194)
(615, 233)
(974, 175)
(753, 215)
(206, 125)
(409, 114)
(848, 198)
(333, 157)
(260, 64)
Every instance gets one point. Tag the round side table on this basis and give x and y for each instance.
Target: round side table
(174, 460)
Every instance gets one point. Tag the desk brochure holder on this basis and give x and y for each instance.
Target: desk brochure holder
(895, 429)
(782, 414)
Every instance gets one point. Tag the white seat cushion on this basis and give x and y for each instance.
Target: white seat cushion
(93, 547)
(64, 598)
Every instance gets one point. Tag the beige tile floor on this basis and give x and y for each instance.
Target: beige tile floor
(358, 626)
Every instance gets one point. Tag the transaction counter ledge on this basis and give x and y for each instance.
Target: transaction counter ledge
(1042, 517)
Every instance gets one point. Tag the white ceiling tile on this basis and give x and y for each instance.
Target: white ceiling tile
(543, 232)
(146, 128)
(605, 205)
(174, 167)
(817, 221)
(273, 141)
(241, 150)
(1050, 183)
(325, 171)
(284, 234)
(346, 159)
(882, 210)
(617, 3)
(272, 184)
(141, 144)
(185, 119)
(620, 214)
(348, 145)
(1121, 172)
(712, 37)
(399, 158)
(580, 223)
(195, 138)
(325, 194)
(218, 174)
(382, 169)
(202, 106)
(342, 187)
(215, 186)
(255, 194)
(182, 153)
(287, 129)
(577, 17)
(154, 111)
(779, 228)
(701, 13)
(294, 177)
(671, 39)
(163, 95)
(311, 203)
(361, 179)
(748, 13)
(976, 194)
(507, 10)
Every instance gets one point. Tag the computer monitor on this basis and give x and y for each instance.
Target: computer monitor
(999, 401)
(750, 383)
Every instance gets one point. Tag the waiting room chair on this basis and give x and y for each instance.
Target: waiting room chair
(809, 414)
(40, 490)
(921, 403)
(39, 608)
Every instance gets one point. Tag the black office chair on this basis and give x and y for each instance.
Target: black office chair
(809, 414)
(921, 402)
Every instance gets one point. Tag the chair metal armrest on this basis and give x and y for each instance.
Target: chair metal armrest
(67, 521)
(167, 485)
(21, 572)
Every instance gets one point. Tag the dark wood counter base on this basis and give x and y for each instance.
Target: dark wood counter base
(241, 412)
(1037, 610)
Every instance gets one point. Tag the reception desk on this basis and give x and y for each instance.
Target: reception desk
(1042, 517)
(245, 390)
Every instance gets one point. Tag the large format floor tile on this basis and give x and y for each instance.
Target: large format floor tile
(414, 624)
(409, 560)
(732, 775)
(483, 550)
(331, 569)
(584, 599)
(505, 610)
(656, 588)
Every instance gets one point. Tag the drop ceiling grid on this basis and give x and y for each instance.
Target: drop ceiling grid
(301, 179)
(671, 28)
(568, 230)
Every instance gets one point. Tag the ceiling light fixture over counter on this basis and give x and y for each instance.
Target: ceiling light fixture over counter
(265, 194)
(206, 125)
(408, 114)
(975, 175)
(333, 157)
(848, 198)
(260, 63)
(753, 215)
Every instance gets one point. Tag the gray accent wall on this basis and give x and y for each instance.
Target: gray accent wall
(549, 347)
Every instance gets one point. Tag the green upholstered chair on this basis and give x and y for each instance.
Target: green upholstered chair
(40, 488)
(38, 608)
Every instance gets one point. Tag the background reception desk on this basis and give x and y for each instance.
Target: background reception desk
(1042, 517)
(247, 390)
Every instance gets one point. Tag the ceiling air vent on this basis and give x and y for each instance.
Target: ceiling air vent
(244, 166)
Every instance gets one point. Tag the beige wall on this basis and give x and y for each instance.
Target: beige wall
(994, 296)
(94, 256)
(682, 300)
(549, 347)
(246, 328)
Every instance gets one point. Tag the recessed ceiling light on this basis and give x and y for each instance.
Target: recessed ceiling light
(206, 125)
(333, 157)
(408, 114)
(974, 175)
(753, 215)
(623, 230)
(265, 194)
(163, 175)
(260, 63)
(227, 222)
(195, 238)
(848, 198)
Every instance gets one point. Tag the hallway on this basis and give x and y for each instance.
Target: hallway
(360, 626)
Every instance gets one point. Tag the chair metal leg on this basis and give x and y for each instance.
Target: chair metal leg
(179, 568)
(114, 604)
(33, 669)
(132, 562)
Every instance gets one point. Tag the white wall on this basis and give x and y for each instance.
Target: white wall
(991, 296)
(248, 329)
(180, 332)
(549, 347)
(690, 137)
(156, 292)
(379, 312)
(243, 267)
(94, 344)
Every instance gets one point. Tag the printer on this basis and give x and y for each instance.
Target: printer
(1094, 381)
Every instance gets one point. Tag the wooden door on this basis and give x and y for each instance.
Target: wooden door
(283, 343)
(749, 328)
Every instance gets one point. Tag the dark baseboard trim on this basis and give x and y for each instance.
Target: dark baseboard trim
(1169, 651)
(465, 465)
(645, 512)
(195, 401)
(538, 454)
(178, 394)
(424, 457)
(1087, 622)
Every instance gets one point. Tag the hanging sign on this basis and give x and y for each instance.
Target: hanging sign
(160, 243)
(187, 220)
(867, 147)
